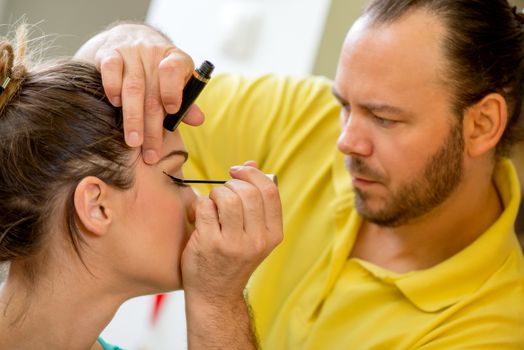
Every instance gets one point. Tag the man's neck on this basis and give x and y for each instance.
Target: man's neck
(462, 218)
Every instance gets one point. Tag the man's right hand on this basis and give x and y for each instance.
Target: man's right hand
(143, 72)
(235, 229)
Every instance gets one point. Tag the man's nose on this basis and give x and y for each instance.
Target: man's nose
(354, 139)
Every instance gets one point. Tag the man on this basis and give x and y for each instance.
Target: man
(416, 249)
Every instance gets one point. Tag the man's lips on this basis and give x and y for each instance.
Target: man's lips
(358, 176)
(359, 181)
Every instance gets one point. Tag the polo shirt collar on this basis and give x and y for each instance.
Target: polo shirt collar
(463, 273)
(466, 271)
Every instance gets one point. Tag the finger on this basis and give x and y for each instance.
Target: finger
(206, 218)
(153, 132)
(133, 89)
(194, 116)
(174, 71)
(111, 67)
(153, 109)
(229, 207)
(251, 163)
(269, 192)
(252, 205)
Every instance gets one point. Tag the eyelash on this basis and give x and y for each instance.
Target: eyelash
(179, 184)
(176, 180)
(386, 123)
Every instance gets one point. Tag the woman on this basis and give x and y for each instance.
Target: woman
(86, 224)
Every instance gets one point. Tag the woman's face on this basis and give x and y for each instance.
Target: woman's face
(157, 219)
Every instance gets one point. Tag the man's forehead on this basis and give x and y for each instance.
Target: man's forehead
(412, 45)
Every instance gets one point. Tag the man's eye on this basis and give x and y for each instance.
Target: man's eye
(384, 122)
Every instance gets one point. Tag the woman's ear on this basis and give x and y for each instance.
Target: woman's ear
(92, 205)
(484, 124)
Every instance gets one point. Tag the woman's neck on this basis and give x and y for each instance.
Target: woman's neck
(65, 310)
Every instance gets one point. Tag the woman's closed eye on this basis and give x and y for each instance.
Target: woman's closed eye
(176, 180)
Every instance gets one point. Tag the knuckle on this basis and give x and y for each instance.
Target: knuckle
(152, 105)
(169, 66)
(252, 193)
(206, 217)
(204, 205)
(231, 201)
(214, 193)
(225, 198)
(260, 246)
(270, 192)
(248, 191)
(133, 118)
(110, 62)
(134, 84)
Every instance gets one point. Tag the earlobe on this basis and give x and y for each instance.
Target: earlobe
(484, 124)
(92, 205)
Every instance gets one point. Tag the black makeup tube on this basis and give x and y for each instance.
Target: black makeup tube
(194, 86)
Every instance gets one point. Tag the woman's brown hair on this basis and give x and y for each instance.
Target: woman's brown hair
(56, 127)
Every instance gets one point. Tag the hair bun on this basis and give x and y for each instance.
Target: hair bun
(12, 68)
(6, 59)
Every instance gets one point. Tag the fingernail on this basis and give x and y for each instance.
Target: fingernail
(133, 139)
(150, 156)
(235, 168)
(116, 100)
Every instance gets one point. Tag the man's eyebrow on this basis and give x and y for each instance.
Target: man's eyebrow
(372, 107)
(175, 153)
(340, 99)
(384, 108)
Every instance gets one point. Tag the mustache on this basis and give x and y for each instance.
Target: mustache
(358, 166)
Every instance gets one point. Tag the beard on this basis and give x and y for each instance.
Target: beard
(438, 178)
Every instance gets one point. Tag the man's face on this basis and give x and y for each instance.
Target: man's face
(403, 144)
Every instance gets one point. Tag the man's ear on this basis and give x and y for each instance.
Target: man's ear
(92, 205)
(484, 124)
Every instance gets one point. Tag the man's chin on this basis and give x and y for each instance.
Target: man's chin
(377, 216)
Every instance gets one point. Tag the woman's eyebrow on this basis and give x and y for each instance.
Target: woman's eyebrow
(175, 153)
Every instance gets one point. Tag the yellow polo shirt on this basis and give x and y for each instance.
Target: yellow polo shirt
(308, 294)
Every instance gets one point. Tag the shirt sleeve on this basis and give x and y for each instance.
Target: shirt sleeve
(265, 119)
